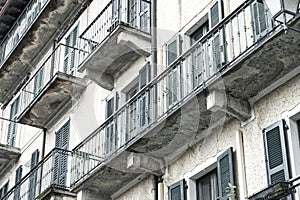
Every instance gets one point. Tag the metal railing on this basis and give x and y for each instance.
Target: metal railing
(231, 38)
(11, 132)
(135, 14)
(52, 171)
(20, 28)
(63, 59)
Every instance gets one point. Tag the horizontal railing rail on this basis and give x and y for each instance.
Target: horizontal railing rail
(114, 13)
(52, 171)
(20, 28)
(230, 39)
(63, 59)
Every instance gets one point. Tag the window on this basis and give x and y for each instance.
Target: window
(207, 187)
(69, 57)
(33, 175)
(138, 13)
(198, 33)
(60, 160)
(110, 107)
(12, 127)
(211, 183)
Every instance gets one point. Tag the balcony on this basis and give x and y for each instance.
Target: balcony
(11, 142)
(38, 24)
(52, 89)
(48, 179)
(210, 83)
(117, 37)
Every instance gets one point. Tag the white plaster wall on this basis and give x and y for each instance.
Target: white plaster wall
(142, 191)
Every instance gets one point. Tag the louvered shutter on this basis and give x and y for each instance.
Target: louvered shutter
(33, 175)
(143, 100)
(133, 12)
(12, 128)
(4, 190)
(214, 14)
(60, 157)
(38, 81)
(225, 173)
(177, 191)
(144, 16)
(69, 60)
(276, 153)
(17, 180)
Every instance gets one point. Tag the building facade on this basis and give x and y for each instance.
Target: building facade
(142, 100)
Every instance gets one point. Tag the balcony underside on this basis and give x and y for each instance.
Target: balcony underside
(271, 60)
(32, 45)
(163, 142)
(8, 156)
(114, 55)
(57, 95)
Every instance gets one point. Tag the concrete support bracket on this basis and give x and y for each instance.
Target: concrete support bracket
(235, 107)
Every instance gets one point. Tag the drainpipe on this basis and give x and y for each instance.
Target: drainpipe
(43, 155)
(154, 187)
(153, 38)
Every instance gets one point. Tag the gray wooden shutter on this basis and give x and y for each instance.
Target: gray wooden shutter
(17, 180)
(214, 14)
(4, 190)
(132, 12)
(60, 157)
(173, 49)
(12, 128)
(69, 60)
(144, 16)
(276, 152)
(33, 175)
(144, 75)
(38, 81)
(225, 173)
(177, 191)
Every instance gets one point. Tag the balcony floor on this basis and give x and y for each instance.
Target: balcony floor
(21, 62)
(8, 156)
(52, 100)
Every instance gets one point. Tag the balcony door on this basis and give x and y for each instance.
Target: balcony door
(60, 159)
(33, 175)
(139, 14)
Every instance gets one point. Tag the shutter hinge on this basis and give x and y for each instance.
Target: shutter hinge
(285, 125)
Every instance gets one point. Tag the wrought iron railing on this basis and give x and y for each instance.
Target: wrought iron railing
(63, 59)
(52, 171)
(11, 132)
(230, 39)
(135, 14)
(20, 28)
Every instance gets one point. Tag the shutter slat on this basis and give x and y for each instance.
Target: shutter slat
(225, 172)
